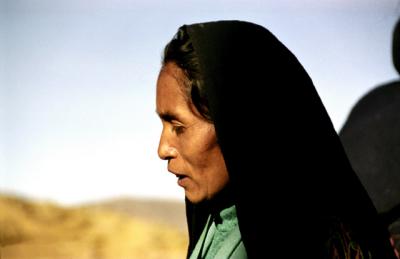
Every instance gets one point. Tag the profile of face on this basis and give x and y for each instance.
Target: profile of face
(188, 142)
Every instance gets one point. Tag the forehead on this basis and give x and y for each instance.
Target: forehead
(170, 90)
(171, 78)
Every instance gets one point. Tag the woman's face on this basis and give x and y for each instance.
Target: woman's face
(188, 142)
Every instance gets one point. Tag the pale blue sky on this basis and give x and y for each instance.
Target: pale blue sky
(77, 118)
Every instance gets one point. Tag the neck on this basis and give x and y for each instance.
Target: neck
(222, 200)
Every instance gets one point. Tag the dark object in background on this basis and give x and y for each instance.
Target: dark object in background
(371, 138)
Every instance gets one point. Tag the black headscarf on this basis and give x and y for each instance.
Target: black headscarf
(371, 137)
(288, 171)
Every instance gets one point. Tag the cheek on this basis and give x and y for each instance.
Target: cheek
(201, 153)
(220, 173)
(196, 156)
(199, 150)
(211, 166)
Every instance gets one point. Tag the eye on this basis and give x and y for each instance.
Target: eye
(178, 129)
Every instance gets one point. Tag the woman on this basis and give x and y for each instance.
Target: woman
(247, 136)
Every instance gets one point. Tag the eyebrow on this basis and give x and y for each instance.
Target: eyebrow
(167, 116)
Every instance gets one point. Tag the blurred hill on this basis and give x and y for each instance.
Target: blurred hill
(160, 211)
(122, 228)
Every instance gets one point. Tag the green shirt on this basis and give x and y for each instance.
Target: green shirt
(220, 238)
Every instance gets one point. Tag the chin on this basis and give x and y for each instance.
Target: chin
(195, 199)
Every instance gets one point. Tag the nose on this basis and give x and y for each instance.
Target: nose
(166, 150)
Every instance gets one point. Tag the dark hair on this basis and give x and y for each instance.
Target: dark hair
(181, 52)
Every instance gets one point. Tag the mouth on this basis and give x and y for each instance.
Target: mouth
(182, 179)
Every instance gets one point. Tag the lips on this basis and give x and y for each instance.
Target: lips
(182, 178)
